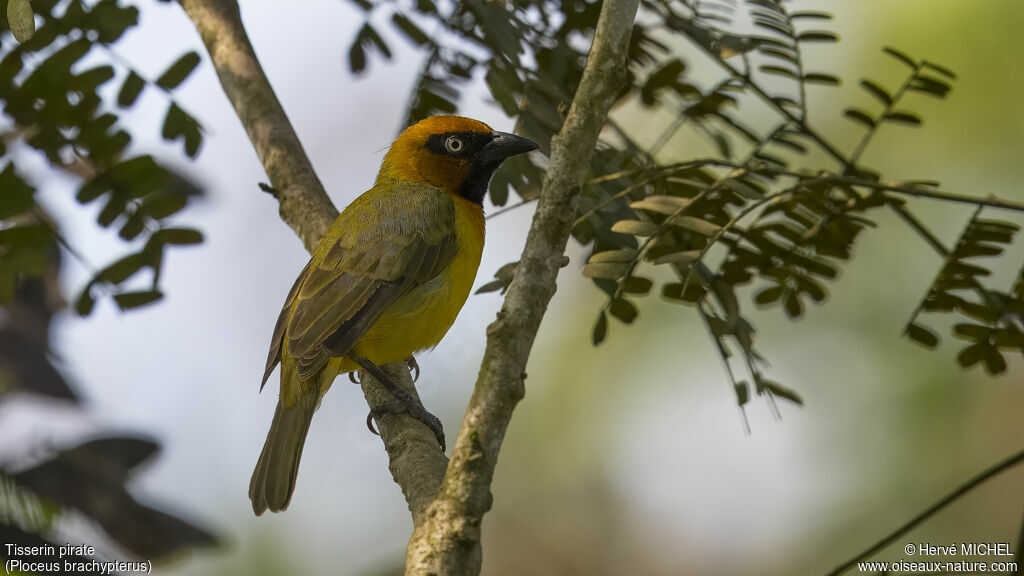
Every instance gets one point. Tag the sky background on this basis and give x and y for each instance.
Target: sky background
(627, 458)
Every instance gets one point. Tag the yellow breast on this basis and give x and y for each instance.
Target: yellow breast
(421, 318)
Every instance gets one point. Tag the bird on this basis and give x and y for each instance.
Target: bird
(387, 280)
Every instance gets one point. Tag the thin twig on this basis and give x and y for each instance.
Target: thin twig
(916, 520)
(888, 108)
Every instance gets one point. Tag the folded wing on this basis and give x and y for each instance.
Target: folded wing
(366, 264)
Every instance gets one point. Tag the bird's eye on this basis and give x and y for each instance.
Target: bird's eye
(454, 144)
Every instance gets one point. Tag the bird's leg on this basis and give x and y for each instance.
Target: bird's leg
(406, 402)
(414, 366)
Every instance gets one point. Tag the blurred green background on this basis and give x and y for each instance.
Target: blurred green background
(629, 458)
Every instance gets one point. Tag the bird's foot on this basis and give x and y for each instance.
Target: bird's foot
(405, 402)
(416, 411)
(414, 367)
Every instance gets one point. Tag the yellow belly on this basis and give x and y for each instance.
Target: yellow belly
(421, 318)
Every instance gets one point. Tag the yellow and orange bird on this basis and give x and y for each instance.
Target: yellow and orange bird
(387, 280)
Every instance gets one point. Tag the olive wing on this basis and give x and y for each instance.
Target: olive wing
(363, 269)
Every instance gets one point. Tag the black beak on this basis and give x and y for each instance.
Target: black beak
(504, 145)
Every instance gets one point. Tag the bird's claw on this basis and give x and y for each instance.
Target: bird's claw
(414, 366)
(352, 377)
(416, 411)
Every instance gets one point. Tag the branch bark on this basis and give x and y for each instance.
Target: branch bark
(416, 463)
(448, 540)
(304, 204)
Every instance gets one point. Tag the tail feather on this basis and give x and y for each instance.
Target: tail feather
(273, 481)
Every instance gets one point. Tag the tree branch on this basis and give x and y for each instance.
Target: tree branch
(304, 203)
(964, 488)
(448, 541)
(416, 463)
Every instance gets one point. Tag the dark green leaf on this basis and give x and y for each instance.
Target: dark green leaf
(900, 56)
(129, 300)
(600, 328)
(122, 269)
(781, 391)
(636, 285)
(786, 55)
(133, 226)
(1008, 338)
(178, 71)
(177, 236)
(877, 91)
(178, 124)
(674, 291)
(929, 85)
(356, 57)
(774, 27)
(903, 118)
(977, 250)
(130, 90)
(979, 312)
(160, 205)
(974, 332)
(110, 19)
(16, 195)
(819, 78)
(115, 206)
(940, 69)
(779, 71)
(623, 309)
(971, 355)
(995, 364)
(84, 303)
(922, 335)
(769, 295)
(411, 30)
(810, 15)
(859, 116)
(793, 306)
(742, 389)
(371, 36)
(817, 36)
(610, 270)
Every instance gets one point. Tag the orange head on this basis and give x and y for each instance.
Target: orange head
(456, 154)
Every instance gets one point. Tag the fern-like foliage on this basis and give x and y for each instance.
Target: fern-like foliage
(783, 225)
(53, 105)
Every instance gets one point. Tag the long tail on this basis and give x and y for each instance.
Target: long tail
(273, 481)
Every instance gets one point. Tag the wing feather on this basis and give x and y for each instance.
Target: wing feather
(279, 328)
(381, 247)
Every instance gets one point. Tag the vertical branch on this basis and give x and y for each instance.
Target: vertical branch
(448, 541)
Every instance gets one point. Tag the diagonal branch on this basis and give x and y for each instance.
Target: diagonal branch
(304, 204)
(964, 488)
(448, 542)
(306, 208)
